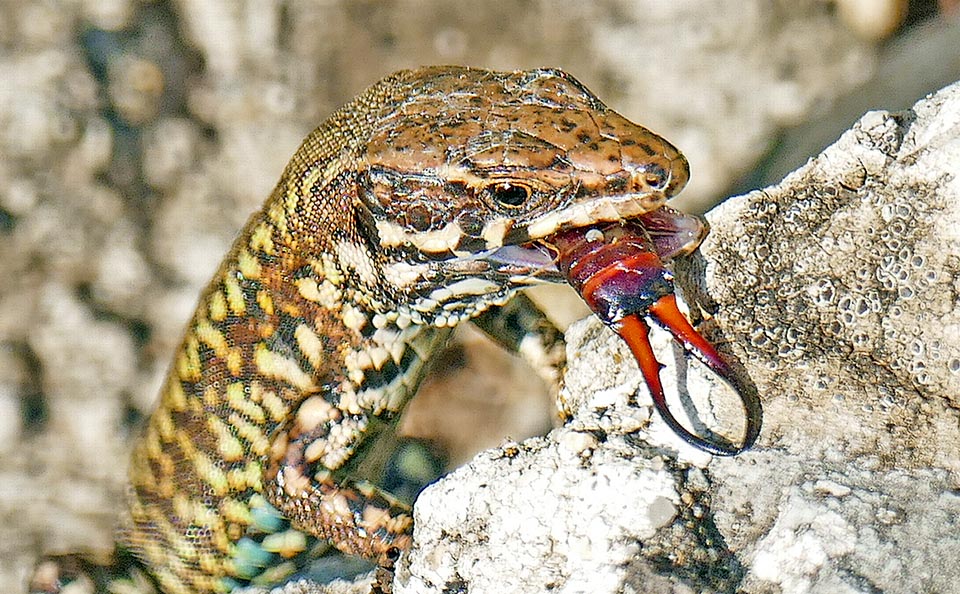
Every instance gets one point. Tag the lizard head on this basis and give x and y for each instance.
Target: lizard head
(461, 176)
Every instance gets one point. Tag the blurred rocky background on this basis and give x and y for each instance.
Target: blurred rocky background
(137, 136)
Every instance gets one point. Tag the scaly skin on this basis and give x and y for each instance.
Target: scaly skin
(379, 238)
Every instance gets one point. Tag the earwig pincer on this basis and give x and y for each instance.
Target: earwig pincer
(618, 269)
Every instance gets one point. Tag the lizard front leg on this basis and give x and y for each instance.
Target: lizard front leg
(356, 516)
(314, 455)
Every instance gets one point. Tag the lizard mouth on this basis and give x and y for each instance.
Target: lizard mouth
(672, 233)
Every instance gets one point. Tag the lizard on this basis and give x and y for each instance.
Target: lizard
(405, 213)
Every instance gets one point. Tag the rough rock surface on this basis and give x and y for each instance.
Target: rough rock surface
(840, 286)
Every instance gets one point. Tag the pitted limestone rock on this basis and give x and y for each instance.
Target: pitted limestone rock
(843, 277)
(838, 289)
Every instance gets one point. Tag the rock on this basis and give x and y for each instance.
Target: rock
(839, 290)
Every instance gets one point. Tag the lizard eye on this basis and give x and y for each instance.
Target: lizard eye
(508, 195)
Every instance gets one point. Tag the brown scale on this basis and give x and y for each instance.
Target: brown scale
(410, 209)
